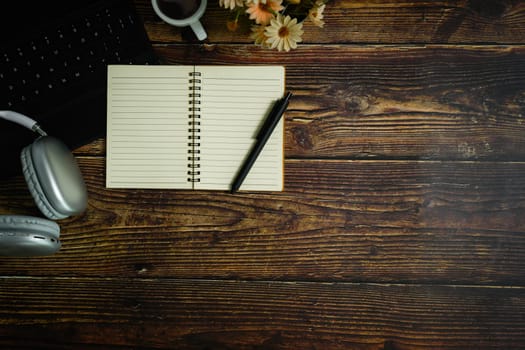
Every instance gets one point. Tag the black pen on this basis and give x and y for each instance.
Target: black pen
(262, 137)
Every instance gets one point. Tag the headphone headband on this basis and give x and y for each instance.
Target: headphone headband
(23, 120)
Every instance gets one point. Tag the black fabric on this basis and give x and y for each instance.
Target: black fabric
(53, 66)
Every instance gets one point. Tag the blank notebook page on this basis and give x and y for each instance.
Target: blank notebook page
(161, 128)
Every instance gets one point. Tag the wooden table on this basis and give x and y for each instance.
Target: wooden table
(402, 223)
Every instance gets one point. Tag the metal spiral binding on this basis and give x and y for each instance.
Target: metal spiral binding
(194, 127)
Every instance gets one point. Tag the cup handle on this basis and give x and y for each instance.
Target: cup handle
(199, 31)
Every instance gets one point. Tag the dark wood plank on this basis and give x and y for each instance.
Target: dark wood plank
(401, 226)
(386, 221)
(464, 103)
(379, 22)
(196, 314)
(380, 102)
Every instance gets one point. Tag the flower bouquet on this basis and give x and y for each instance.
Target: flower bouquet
(276, 24)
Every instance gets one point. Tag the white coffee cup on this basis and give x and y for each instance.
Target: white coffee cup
(182, 13)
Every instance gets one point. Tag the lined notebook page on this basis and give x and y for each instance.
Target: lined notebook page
(234, 102)
(148, 136)
(147, 127)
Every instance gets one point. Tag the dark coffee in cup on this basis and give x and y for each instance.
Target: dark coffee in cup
(182, 13)
(179, 9)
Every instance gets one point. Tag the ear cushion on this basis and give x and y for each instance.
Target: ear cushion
(28, 236)
(34, 187)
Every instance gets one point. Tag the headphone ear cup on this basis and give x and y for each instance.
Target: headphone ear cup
(35, 188)
(28, 236)
(54, 178)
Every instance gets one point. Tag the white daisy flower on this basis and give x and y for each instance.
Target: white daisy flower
(284, 33)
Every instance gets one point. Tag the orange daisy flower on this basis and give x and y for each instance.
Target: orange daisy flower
(263, 13)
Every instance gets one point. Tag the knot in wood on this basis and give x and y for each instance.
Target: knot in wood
(302, 137)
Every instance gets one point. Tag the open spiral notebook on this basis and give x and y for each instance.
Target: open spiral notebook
(191, 127)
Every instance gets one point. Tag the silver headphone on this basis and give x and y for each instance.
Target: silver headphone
(56, 184)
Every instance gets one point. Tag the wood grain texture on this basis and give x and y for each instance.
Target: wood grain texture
(391, 102)
(376, 22)
(439, 102)
(199, 314)
(401, 226)
(387, 221)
